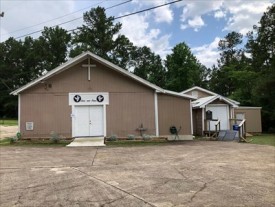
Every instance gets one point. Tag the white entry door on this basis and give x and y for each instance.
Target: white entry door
(89, 121)
(221, 112)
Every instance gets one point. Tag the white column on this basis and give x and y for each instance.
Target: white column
(191, 115)
(156, 114)
(19, 112)
(202, 111)
(104, 120)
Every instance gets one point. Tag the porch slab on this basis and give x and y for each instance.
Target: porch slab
(87, 142)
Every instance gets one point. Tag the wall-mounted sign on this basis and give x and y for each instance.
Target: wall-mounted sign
(88, 98)
(29, 126)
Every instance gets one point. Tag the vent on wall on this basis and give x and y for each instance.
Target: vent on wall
(195, 94)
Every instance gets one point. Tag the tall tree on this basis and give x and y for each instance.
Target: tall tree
(23, 61)
(261, 45)
(53, 46)
(147, 65)
(100, 35)
(228, 47)
(10, 53)
(183, 69)
(224, 78)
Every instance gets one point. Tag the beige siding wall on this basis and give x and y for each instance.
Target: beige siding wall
(127, 112)
(173, 111)
(130, 103)
(201, 94)
(48, 112)
(253, 118)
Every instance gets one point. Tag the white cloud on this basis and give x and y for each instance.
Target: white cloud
(244, 15)
(31, 13)
(219, 14)
(193, 11)
(138, 30)
(184, 26)
(161, 14)
(196, 23)
(207, 54)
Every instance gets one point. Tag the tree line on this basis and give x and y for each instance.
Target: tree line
(244, 72)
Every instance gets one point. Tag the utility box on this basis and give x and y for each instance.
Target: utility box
(209, 115)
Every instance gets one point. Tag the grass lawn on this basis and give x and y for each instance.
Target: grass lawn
(135, 143)
(264, 139)
(33, 143)
(9, 122)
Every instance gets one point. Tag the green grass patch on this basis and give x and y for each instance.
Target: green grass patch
(9, 122)
(263, 139)
(34, 143)
(130, 143)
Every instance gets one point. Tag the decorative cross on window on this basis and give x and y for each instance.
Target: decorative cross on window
(89, 65)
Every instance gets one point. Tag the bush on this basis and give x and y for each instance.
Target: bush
(54, 137)
(13, 140)
(146, 137)
(112, 138)
(18, 135)
(131, 137)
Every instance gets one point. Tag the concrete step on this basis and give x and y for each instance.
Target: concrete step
(87, 142)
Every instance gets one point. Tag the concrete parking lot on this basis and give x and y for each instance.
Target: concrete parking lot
(191, 173)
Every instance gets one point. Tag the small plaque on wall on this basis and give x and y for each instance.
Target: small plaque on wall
(29, 126)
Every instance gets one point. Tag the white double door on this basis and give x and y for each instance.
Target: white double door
(89, 121)
(219, 112)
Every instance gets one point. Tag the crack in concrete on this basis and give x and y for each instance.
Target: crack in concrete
(112, 201)
(94, 156)
(120, 189)
(181, 173)
(200, 190)
(18, 202)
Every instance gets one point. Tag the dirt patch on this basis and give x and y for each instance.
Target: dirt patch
(8, 131)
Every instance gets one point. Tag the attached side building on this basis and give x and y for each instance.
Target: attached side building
(89, 96)
(224, 109)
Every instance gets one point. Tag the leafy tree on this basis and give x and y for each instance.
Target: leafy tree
(121, 54)
(148, 65)
(183, 69)
(53, 46)
(10, 53)
(100, 35)
(23, 61)
(224, 78)
(228, 47)
(261, 45)
(261, 42)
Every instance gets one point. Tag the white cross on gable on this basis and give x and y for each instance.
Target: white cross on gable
(89, 65)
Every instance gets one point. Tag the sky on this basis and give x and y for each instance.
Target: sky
(198, 23)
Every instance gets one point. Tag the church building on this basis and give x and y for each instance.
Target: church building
(89, 96)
